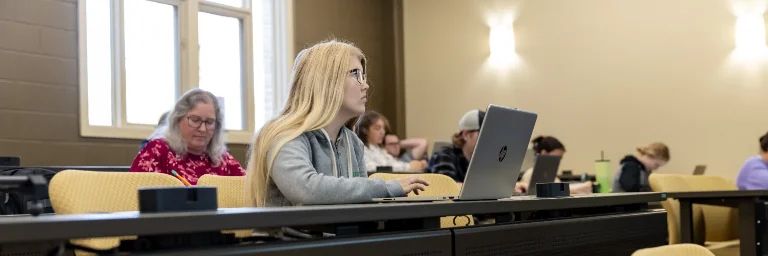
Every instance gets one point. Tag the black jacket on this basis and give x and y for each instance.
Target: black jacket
(632, 176)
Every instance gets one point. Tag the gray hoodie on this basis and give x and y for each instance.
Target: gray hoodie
(303, 172)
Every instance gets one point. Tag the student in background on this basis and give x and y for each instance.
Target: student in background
(542, 145)
(453, 161)
(548, 145)
(635, 169)
(306, 155)
(191, 143)
(160, 123)
(754, 173)
(415, 149)
(371, 130)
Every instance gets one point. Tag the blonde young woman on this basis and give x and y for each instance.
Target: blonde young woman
(306, 155)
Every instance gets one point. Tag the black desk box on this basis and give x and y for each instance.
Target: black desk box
(177, 199)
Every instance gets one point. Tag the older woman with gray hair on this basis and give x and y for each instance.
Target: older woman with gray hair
(191, 142)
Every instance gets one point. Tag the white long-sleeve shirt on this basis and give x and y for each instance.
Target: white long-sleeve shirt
(375, 156)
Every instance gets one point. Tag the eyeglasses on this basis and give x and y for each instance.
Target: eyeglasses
(196, 122)
(359, 75)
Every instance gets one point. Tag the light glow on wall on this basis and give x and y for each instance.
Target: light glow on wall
(502, 45)
(502, 42)
(750, 33)
(749, 58)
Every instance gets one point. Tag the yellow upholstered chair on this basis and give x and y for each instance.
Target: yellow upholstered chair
(440, 185)
(74, 192)
(676, 249)
(230, 193)
(710, 223)
(721, 222)
(676, 183)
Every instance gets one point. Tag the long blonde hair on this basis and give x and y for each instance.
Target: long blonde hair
(317, 92)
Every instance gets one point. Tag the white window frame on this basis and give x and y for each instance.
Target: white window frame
(188, 63)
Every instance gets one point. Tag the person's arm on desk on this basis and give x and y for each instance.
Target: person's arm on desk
(581, 188)
(757, 178)
(522, 185)
(301, 184)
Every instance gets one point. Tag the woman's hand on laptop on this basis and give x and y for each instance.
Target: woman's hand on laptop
(412, 183)
(521, 187)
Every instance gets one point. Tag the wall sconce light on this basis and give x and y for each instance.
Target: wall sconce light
(750, 34)
(502, 43)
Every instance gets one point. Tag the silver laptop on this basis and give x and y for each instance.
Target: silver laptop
(700, 169)
(496, 161)
(544, 171)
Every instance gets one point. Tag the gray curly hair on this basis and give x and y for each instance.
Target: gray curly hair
(172, 135)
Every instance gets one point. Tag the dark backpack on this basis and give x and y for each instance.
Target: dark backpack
(18, 202)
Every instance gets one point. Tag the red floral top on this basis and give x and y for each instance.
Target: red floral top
(157, 156)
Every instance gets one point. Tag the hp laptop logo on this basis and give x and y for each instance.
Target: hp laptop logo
(502, 153)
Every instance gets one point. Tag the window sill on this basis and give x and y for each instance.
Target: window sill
(142, 132)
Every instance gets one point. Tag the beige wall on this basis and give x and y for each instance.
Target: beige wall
(602, 75)
(369, 24)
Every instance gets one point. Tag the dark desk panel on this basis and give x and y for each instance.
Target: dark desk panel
(60, 227)
(718, 194)
(619, 234)
(30, 249)
(427, 243)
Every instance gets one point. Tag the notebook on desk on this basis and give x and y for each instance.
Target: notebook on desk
(496, 161)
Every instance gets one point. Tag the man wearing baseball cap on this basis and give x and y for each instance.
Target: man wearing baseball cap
(454, 160)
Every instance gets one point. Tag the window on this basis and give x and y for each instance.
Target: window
(220, 63)
(149, 29)
(137, 57)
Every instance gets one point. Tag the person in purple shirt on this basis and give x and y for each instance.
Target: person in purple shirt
(754, 174)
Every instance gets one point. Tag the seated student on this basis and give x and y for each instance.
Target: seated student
(633, 174)
(191, 142)
(754, 173)
(160, 123)
(371, 129)
(306, 155)
(454, 160)
(415, 149)
(548, 145)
